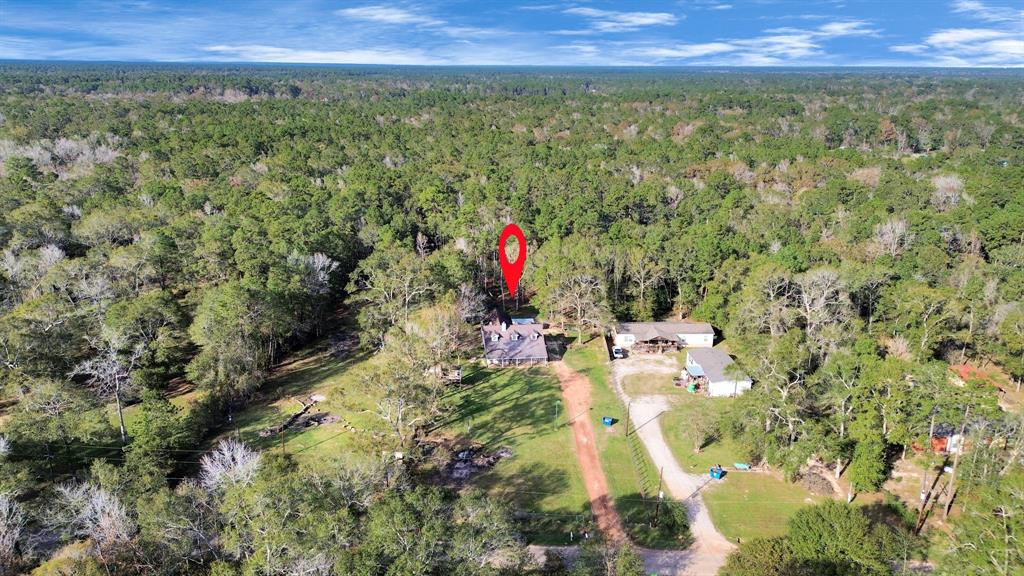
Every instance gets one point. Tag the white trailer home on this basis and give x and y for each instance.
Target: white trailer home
(715, 372)
(663, 336)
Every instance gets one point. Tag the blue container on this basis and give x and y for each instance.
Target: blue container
(607, 420)
(717, 473)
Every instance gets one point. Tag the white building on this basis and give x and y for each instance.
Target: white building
(716, 373)
(664, 336)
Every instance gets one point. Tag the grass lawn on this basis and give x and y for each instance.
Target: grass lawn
(311, 372)
(494, 407)
(624, 482)
(521, 408)
(754, 505)
(744, 505)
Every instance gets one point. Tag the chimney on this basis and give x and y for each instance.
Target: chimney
(504, 326)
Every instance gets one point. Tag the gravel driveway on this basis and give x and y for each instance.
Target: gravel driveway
(709, 550)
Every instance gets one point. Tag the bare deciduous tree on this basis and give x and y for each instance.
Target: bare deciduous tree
(948, 192)
(892, 237)
(12, 526)
(93, 512)
(109, 373)
(231, 462)
(824, 304)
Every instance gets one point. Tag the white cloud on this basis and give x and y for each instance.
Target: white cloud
(969, 47)
(720, 7)
(387, 15)
(775, 46)
(687, 50)
(264, 53)
(959, 37)
(392, 16)
(614, 21)
(983, 11)
(909, 48)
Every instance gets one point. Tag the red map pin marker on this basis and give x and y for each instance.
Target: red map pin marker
(512, 270)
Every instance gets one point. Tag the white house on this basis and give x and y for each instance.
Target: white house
(664, 336)
(710, 368)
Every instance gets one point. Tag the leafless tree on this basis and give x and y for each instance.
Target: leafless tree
(318, 564)
(767, 303)
(470, 303)
(231, 462)
(824, 304)
(892, 237)
(948, 192)
(316, 271)
(984, 130)
(580, 299)
(109, 372)
(12, 525)
(92, 512)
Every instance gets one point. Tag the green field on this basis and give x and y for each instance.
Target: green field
(521, 408)
(515, 408)
(624, 481)
(744, 505)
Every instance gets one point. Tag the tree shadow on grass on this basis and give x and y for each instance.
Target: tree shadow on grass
(297, 379)
(500, 411)
(651, 526)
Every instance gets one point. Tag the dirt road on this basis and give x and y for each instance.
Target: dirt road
(709, 550)
(576, 395)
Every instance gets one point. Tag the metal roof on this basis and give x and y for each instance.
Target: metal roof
(713, 363)
(667, 330)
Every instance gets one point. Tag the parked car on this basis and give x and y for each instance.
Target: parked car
(618, 352)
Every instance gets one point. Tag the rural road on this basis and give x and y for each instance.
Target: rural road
(576, 394)
(710, 549)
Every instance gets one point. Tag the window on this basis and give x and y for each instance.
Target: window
(494, 337)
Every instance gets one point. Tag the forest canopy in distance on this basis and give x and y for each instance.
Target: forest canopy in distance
(851, 235)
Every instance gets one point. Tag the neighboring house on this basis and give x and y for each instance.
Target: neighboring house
(664, 336)
(709, 367)
(513, 342)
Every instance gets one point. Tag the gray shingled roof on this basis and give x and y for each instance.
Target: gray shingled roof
(515, 342)
(713, 362)
(669, 330)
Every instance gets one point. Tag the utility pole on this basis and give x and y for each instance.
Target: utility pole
(925, 491)
(661, 496)
(956, 461)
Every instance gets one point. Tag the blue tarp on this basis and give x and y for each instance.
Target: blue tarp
(694, 370)
(523, 321)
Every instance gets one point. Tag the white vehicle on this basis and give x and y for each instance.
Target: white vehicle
(617, 352)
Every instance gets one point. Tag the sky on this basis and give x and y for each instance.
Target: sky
(953, 33)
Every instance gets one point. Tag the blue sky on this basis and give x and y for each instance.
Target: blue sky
(532, 32)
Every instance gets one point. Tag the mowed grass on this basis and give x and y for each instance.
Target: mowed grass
(521, 409)
(312, 372)
(743, 505)
(624, 480)
(749, 505)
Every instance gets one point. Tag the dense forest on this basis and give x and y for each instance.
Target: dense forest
(850, 235)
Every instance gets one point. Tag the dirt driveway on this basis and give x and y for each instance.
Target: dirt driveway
(576, 394)
(709, 550)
